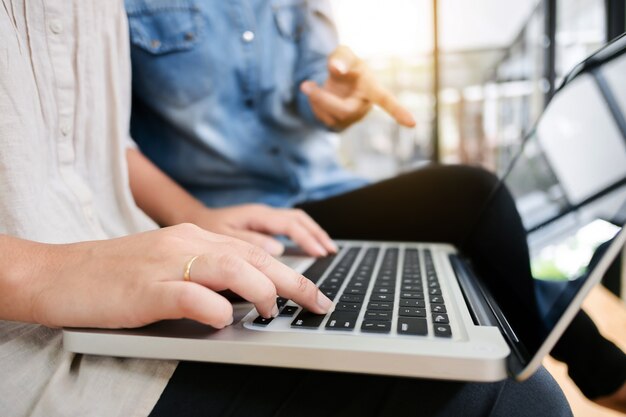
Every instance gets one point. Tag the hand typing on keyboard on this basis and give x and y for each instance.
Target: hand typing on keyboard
(393, 297)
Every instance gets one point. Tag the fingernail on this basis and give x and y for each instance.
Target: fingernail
(232, 319)
(340, 66)
(275, 311)
(334, 247)
(324, 302)
(320, 250)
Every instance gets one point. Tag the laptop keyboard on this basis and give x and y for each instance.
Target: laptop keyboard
(370, 296)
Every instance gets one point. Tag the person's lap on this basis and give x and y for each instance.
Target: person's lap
(204, 389)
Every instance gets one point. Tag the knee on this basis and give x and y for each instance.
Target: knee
(540, 395)
(475, 180)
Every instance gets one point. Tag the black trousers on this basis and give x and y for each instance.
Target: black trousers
(211, 390)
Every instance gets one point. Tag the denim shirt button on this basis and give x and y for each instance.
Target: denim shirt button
(155, 43)
(248, 36)
(249, 103)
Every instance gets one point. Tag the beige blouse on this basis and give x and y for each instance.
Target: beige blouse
(64, 114)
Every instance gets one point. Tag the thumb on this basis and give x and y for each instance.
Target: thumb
(308, 87)
(178, 299)
(343, 62)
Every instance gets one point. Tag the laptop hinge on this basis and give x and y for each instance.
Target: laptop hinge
(480, 311)
(485, 311)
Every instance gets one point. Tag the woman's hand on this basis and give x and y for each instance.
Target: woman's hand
(255, 223)
(349, 93)
(168, 204)
(138, 279)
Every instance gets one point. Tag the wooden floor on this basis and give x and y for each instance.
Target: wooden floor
(609, 314)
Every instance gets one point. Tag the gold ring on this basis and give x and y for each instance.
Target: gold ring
(187, 273)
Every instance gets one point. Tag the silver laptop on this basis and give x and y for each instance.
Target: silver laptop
(417, 309)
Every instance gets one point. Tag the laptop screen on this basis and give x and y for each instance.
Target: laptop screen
(569, 185)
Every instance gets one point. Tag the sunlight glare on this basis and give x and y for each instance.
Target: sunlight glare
(383, 29)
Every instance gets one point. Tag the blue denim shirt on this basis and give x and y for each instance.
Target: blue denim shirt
(216, 100)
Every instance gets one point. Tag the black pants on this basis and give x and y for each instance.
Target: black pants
(448, 204)
(211, 390)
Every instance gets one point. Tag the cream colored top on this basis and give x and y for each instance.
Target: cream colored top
(64, 114)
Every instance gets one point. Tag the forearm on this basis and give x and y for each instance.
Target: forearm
(21, 274)
(157, 195)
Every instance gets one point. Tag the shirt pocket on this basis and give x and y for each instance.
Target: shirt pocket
(169, 62)
(290, 18)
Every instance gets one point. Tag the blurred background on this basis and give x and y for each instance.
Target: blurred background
(476, 75)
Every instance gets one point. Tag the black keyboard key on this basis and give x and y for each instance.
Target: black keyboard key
(281, 301)
(376, 326)
(330, 286)
(412, 303)
(433, 284)
(341, 321)
(442, 330)
(434, 291)
(307, 320)
(438, 308)
(352, 298)
(330, 294)
(380, 306)
(411, 312)
(436, 299)
(412, 326)
(357, 291)
(317, 269)
(407, 295)
(384, 284)
(378, 315)
(357, 284)
(262, 321)
(440, 318)
(360, 278)
(385, 278)
(288, 311)
(383, 290)
(382, 297)
(411, 287)
(348, 307)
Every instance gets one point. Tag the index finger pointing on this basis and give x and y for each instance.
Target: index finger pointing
(291, 284)
(386, 100)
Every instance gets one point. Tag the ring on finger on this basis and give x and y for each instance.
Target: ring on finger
(187, 270)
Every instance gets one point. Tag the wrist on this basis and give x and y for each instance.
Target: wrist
(193, 213)
(22, 275)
